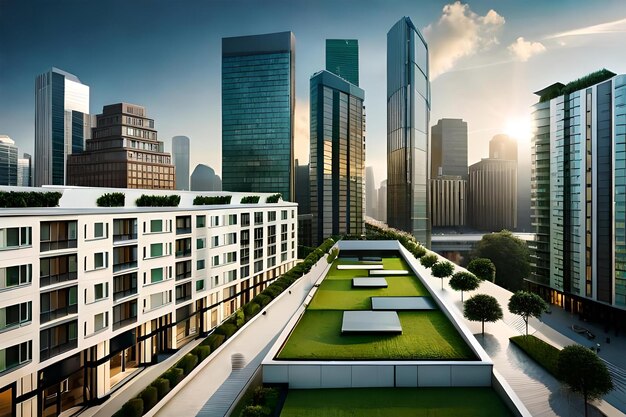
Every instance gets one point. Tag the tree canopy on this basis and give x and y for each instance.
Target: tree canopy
(510, 256)
(482, 307)
(464, 281)
(442, 270)
(583, 372)
(429, 260)
(483, 268)
(527, 304)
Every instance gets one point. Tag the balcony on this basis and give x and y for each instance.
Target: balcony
(183, 275)
(125, 293)
(57, 350)
(183, 253)
(124, 237)
(56, 279)
(125, 265)
(183, 298)
(124, 322)
(58, 244)
(45, 317)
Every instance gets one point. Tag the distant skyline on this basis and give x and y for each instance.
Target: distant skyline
(487, 57)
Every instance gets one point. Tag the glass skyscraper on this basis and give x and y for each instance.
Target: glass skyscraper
(578, 195)
(337, 167)
(408, 114)
(62, 124)
(258, 101)
(342, 59)
(8, 161)
(180, 159)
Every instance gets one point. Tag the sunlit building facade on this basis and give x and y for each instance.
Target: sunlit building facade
(180, 159)
(342, 59)
(8, 161)
(408, 115)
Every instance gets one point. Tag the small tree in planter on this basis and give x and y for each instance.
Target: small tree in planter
(483, 268)
(464, 281)
(482, 307)
(527, 305)
(442, 270)
(429, 260)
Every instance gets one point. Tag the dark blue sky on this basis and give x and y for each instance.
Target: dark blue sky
(165, 55)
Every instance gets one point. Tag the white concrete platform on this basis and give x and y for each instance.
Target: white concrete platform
(369, 283)
(403, 303)
(380, 271)
(360, 267)
(371, 322)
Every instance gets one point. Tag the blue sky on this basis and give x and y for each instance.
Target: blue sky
(165, 55)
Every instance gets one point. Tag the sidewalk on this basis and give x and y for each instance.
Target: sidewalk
(540, 392)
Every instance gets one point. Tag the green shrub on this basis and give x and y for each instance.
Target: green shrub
(174, 375)
(111, 200)
(250, 310)
(132, 408)
(158, 200)
(150, 397)
(541, 352)
(255, 411)
(227, 329)
(214, 340)
(15, 199)
(240, 318)
(187, 363)
(262, 300)
(272, 291)
(428, 261)
(274, 198)
(211, 200)
(332, 256)
(250, 199)
(202, 352)
(162, 386)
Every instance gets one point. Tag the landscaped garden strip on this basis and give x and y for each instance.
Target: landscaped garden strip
(541, 352)
(396, 402)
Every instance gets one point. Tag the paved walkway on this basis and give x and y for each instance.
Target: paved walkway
(540, 392)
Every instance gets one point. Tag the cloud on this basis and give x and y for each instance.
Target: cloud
(616, 26)
(458, 33)
(523, 49)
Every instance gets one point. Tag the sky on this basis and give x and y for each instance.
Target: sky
(486, 59)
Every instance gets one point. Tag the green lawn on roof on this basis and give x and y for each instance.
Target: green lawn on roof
(397, 402)
(427, 335)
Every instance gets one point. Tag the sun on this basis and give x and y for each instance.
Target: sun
(519, 127)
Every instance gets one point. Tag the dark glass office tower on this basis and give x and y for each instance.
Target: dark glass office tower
(337, 172)
(342, 59)
(408, 113)
(180, 159)
(258, 101)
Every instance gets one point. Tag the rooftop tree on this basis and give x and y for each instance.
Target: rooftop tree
(482, 307)
(464, 281)
(483, 268)
(527, 305)
(442, 270)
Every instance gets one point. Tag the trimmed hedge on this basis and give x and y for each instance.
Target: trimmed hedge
(150, 397)
(332, 255)
(214, 341)
(250, 199)
(111, 200)
(187, 363)
(541, 352)
(15, 199)
(211, 200)
(162, 386)
(274, 198)
(375, 232)
(174, 375)
(132, 408)
(202, 352)
(158, 200)
(251, 309)
(227, 329)
(428, 261)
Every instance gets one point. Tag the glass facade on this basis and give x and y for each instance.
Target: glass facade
(8, 161)
(408, 115)
(337, 167)
(619, 196)
(180, 159)
(342, 59)
(258, 113)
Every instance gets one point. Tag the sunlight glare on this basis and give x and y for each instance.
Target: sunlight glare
(520, 128)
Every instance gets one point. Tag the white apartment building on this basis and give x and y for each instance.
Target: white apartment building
(88, 295)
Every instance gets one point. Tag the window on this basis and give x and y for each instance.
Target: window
(200, 264)
(15, 315)
(156, 275)
(215, 221)
(159, 299)
(100, 260)
(57, 269)
(13, 276)
(258, 266)
(200, 221)
(230, 257)
(231, 238)
(245, 219)
(201, 243)
(124, 314)
(258, 217)
(200, 285)
(101, 291)
(156, 250)
(230, 276)
(283, 214)
(58, 303)
(215, 241)
(271, 216)
(58, 339)
(14, 356)
(183, 224)
(244, 271)
(98, 230)
(183, 292)
(215, 261)
(244, 256)
(232, 219)
(124, 286)
(156, 226)
(124, 229)
(58, 235)
(15, 237)
(271, 262)
(101, 321)
(293, 214)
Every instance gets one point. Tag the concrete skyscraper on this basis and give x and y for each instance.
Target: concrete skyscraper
(503, 147)
(24, 171)
(337, 157)
(342, 59)
(180, 159)
(408, 114)
(578, 199)
(62, 124)
(492, 195)
(449, 148)
(258, 101)
(371, 195)
(8, 161)
(124, 153)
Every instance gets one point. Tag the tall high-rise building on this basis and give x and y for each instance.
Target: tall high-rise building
(203, 178)
(8, 161)
(337, 157)
(382, 202)
(449, 148)
(303, 189)
(124, 153)
(24, 171)
(503, 147)
(492, 195)
(258, 101)
(342, 59)
(578, 203)
(408, 114)
(62, 124)
(371, 195)
(180, 159)
(448, 201)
